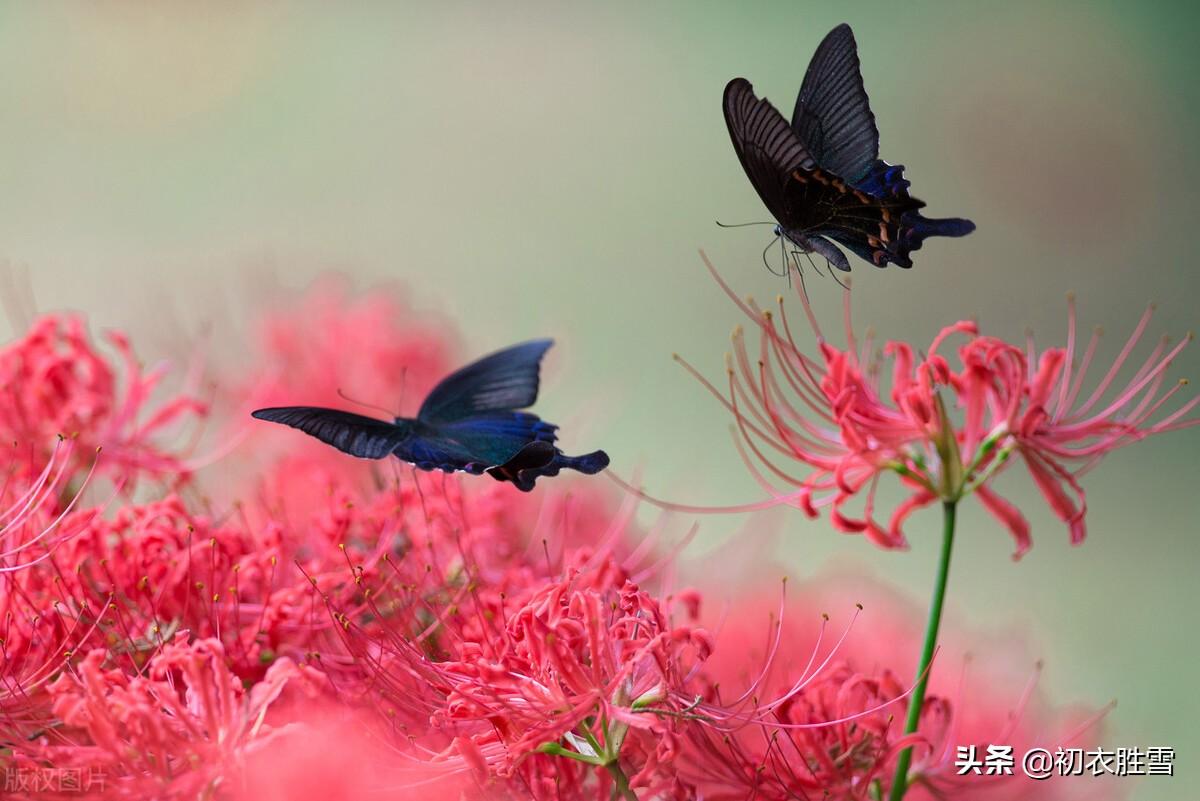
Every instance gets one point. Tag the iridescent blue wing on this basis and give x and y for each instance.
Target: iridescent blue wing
(475, 443)
(833, 115)
(766, 145)
(503, 381)
(354, 434)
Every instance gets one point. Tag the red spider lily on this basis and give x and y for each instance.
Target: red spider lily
(572, 674)
(398, 353)
(832, 414)
(838, 733)
(479, 624)
(37, 634)
(178, 731)
(55, 382)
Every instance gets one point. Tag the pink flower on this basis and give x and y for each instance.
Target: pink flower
(580, 671)
(944, 429)
(179, 730)
(55, 382)
(491, 646)
(839, 730)
(370, 352)
(332, 753)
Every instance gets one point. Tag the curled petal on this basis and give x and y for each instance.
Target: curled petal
(1010, 516)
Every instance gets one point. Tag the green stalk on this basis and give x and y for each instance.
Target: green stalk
(621, 787)
(900, 779)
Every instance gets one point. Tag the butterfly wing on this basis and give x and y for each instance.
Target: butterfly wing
(502, 381)
(354, 434)
(766, 145)
(833, 115)
(474, 443)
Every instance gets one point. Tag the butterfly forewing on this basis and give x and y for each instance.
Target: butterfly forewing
(354, 434)
(833, 115)
(502, 381)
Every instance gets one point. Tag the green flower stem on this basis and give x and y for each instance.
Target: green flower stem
(621, 788)
(900, 780)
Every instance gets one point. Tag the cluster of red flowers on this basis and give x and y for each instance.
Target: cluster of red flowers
(344, 630)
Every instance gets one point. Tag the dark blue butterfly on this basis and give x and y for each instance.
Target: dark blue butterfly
(821, 176)
(468, 422)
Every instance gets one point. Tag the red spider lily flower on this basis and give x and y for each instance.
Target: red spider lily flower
(179, 731)
(946, 430)
(398, 353)
(839, 730)
(54, 381)
(332, 753)
(37, 633)
(34, 506)
(369, 352)
(577, 672)
(513, 664)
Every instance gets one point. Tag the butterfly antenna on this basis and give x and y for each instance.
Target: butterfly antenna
(740, 225)
(344, 396)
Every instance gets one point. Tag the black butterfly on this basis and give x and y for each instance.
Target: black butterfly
(821, 176)
(468, 422)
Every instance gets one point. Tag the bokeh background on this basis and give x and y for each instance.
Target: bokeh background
(531, 169)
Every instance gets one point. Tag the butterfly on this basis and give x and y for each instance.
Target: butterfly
(820, 175)
(468, 422)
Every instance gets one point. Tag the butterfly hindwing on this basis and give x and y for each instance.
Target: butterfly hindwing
(502, 381)
(833, 115)
(474, 443)
(354, 434)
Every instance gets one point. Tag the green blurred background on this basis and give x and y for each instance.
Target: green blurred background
(534, 169)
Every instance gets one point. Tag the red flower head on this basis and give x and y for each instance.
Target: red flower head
(836, 727)
(54, 382)
(833, 413)
(181, 729)
(583, 669)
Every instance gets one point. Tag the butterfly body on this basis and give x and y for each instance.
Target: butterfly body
(820, 175)
(469, 422)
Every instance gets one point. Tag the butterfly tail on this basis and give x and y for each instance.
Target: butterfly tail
(588, 463)
(915, 229)
(542, 459)
(919, 228)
